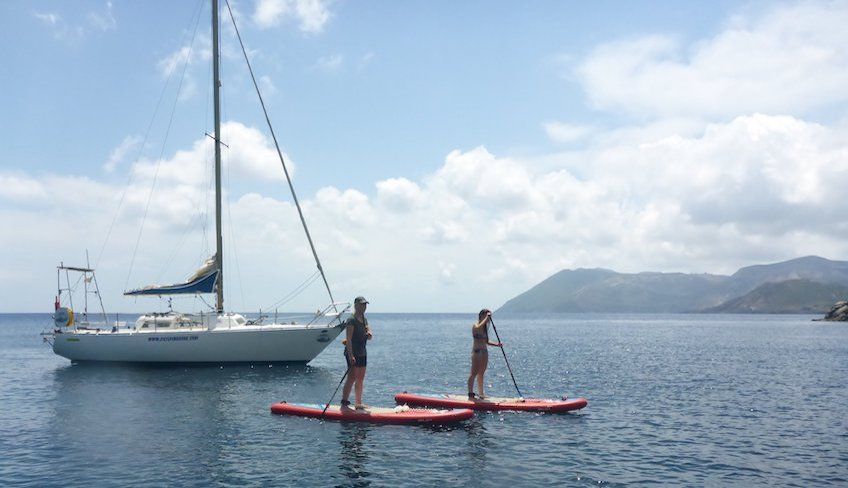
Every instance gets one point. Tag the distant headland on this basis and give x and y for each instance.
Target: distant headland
(808, 284)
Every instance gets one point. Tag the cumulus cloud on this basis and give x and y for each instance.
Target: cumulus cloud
(119, 154)
(347, 208)
(399, 194)
(562, 132)
(479, 177)
(444, 232)
(726, 171)
(21, 188)
(310, 15)
(755, 188)
(789, 60)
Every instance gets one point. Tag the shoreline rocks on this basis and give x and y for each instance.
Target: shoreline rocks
(838, 313)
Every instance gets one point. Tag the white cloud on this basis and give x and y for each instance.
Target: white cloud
(444, 232)
(20, 188)
(348, 208)
(717, 178)
(61, 29)
(267, 86)
(48, 17)
(562, 132)
(269, 12)
(329, 64)
(252, 154)
(399, 194)
(479, 177)
(182, 59)
(446, 273)
(755, 189)
(104, 21)
(311, 15)
(176, 59)
(76, 28)
(790, 60)
(119, 154)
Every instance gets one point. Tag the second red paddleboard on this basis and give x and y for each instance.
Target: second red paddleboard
(491, 403)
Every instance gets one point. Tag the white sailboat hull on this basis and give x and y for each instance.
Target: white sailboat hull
(267, 343)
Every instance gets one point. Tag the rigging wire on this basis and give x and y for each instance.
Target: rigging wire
(73, 289)
(204, 301)
(161, 153)
(297, 291)
(141, 148)
(173, 255)
(207, 175)
(280, 154)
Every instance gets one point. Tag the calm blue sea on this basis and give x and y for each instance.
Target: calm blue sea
(673, 399)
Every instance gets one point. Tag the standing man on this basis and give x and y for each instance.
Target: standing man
(358, 333)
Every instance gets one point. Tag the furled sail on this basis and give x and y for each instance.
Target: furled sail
(202, 281)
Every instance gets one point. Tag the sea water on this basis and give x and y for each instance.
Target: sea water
(721, 400)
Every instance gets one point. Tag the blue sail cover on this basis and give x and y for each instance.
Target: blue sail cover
(203, 284)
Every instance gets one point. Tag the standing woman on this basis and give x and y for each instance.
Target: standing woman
(480, 352)
(358, 333)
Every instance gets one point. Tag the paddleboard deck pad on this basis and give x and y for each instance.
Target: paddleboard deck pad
(491, 403)
(400, 415)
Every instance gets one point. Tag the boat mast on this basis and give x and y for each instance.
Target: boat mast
(216, 85)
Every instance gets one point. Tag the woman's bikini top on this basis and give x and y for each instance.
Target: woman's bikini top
(482, 335)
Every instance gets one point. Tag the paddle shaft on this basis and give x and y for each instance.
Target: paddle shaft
(334, 393)
(505, 359)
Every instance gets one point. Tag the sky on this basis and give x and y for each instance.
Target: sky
(448, 155)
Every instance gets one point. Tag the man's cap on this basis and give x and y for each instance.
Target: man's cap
(359, 299)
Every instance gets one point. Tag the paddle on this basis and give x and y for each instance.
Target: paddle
(334, 393)
(505, 359)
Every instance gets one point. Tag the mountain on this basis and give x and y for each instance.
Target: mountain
(790, 296)
(603, 290)
(812, 268)
(562, 285)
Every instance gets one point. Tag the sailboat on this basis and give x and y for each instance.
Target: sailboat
(216, 336)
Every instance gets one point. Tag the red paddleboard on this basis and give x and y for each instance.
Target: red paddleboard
(491, 403)
(374, 415)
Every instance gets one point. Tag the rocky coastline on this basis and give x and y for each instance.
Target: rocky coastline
(838, 313)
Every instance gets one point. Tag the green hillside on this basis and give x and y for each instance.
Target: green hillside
(811, 282)
(791, 296)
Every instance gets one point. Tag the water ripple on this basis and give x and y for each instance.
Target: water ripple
(674, 400)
